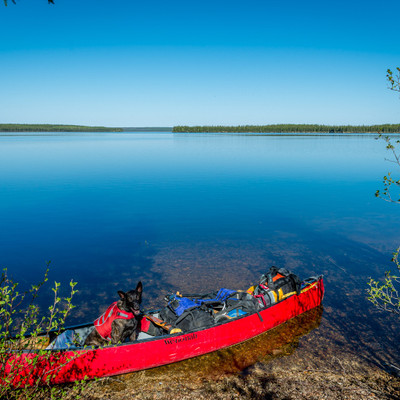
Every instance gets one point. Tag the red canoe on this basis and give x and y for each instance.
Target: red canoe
(68, 366)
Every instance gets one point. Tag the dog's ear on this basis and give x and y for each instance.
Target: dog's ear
(139, 287)
(121, 294)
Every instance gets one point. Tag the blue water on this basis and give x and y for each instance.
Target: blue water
(196, 211)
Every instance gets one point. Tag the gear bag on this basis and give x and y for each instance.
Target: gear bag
(237, 305)
(194, 318)
(204, 311)
(276, 285)
(186, 314)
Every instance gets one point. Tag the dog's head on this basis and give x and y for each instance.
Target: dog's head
(130, 301)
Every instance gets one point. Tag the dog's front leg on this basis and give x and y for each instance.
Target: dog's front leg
(116, 332)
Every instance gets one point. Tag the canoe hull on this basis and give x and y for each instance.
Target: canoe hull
(69, 366)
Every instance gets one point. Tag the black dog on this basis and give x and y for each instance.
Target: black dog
(119, 321)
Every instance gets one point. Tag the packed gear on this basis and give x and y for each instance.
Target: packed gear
(199, 311)
(216, 298)
(274, 286)
(185, 313)
(237, 305)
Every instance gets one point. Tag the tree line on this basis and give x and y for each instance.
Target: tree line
(290, 128)
(54, 128)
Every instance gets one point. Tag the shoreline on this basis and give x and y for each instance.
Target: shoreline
(248, 130)
(248, 134)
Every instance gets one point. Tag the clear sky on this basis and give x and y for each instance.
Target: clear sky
(164, 63)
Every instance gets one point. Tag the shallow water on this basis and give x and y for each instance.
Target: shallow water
(200, 212)
(283, 340)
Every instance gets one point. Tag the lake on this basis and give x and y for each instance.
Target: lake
(200, 212)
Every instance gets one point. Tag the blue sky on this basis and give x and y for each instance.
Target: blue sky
(160, 63)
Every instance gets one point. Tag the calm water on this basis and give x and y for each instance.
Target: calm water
(199, 212)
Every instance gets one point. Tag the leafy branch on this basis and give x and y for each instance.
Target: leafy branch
(388, 181)
(386, 295)
(394, 81)
(5, 2)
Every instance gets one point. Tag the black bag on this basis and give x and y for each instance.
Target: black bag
(195, 318)
(167, 315)
(192, 318)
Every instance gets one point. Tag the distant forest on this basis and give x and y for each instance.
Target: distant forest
(54, 128)
(148, 129)
(278, 128)
(290, 128)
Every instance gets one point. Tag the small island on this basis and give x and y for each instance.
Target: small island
(290, 128)
(55, 128)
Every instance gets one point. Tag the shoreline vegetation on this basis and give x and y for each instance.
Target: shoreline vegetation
(255, 129)
(77, 128)
(54, 128)
(290, 128)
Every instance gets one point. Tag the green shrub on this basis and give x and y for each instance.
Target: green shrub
(26, 367)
